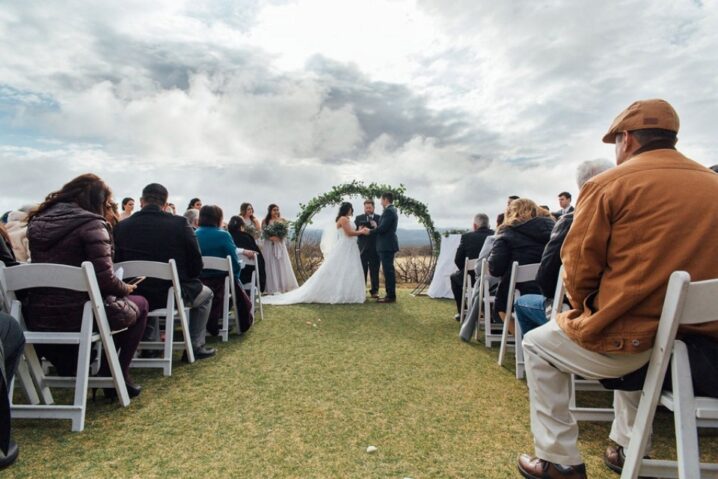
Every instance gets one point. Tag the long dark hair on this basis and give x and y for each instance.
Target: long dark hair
(192, 202)
(235, 225)
(88, 191)
(345, 209)
(269, 214)
(243, 209)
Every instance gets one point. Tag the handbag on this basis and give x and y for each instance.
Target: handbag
(121, 312)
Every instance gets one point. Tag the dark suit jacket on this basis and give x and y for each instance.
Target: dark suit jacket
(153, 235)
(547, 275)
(470, 246)
(367, 244)
(386, 239)
(558, 214)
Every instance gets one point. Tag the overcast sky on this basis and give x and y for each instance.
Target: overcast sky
(465, 102)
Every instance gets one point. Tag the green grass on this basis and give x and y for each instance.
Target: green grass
(303, 395)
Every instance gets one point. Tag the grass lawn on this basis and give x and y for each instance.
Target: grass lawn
(303, 395)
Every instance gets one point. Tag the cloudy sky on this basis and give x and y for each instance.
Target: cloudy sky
(464, 102)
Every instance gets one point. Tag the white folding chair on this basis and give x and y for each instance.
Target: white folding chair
(225, 265)
(492, 331)
(77, 279)
(466, 287)
(519, 274)
(591, 385)
(253, 287)
(175, 309)
(685, 303)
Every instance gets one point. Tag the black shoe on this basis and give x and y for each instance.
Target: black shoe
(7, 460)
(386, 300)
(457, 317)
(132, 391)
(200, 353)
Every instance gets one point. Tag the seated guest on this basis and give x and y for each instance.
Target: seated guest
(533, 310)
(564, 201)
(522, 238)
(192, 217)
(12, 343)
(214, 241)
(245, 240)
(153, 235)
(70, 228)
(628, 236)
(7, 256)
(469, 247)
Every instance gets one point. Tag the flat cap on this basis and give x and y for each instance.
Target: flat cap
(642, 115)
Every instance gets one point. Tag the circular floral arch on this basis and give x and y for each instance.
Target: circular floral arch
(403, 203)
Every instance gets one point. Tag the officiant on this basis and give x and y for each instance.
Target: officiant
(367, 246)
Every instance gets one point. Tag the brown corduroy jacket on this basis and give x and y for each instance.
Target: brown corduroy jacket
(633, 226)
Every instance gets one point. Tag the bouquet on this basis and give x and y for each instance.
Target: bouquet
(279, 229)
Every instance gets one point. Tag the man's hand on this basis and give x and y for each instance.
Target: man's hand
(131, 287)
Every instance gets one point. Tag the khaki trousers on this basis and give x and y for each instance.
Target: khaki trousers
(550, 358)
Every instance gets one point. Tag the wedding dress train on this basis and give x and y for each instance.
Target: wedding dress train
(339, 279)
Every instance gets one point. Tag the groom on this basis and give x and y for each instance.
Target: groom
(387, 244)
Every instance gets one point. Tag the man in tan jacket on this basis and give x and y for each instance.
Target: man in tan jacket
(630, 232)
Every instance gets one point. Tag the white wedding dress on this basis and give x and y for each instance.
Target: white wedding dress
(339, 279)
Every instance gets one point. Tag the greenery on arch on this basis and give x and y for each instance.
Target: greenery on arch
(336, 195)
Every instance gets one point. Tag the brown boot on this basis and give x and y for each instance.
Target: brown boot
(614, 457)
(535, 468)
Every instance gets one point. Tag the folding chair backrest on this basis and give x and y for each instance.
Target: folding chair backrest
(150, 269)
(519, 274)
(218, 264)
(471, 264)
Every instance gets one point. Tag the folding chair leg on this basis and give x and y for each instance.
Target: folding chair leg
(225, 311)
(38, 375)
(23, 375)
(82, 376)
(184, 322)
(684, 414)
(518, 337)
(169, 341)
(504, 341)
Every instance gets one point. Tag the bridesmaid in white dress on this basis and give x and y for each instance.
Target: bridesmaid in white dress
(280, 275)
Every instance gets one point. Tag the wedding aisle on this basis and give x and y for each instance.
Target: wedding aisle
(303, 396)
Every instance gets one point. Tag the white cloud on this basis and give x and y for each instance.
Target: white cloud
(464, 102)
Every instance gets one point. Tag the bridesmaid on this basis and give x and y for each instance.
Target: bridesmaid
(280, 275)
(251, 223)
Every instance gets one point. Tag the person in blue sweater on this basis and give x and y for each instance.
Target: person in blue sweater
(215, 241)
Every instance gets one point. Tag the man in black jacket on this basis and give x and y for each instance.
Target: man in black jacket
(531, 309)
(153, 235)
(387, 244)
(367, 246)
(12, 343)
(469, 247)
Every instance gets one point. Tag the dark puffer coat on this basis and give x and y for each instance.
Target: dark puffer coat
(523, 243)
(68, 234)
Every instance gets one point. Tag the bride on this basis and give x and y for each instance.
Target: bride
(340, 278)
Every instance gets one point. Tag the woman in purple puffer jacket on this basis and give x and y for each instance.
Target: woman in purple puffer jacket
(70, 227)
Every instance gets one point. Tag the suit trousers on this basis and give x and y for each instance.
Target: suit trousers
(370, 263)
(550, 358)
(387, 264)
(199, 316)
